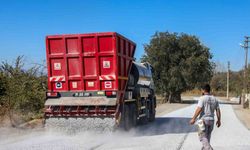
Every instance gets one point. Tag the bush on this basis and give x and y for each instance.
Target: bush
(22, 90)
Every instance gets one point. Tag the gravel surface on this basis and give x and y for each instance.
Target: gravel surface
(76, 125)
(169, 132)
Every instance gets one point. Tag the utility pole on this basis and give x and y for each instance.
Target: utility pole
(228, 73)
(245, 46)
(246, 61)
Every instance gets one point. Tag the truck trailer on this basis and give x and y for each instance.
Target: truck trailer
(94, 78)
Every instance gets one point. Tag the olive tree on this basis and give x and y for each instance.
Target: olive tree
(180, 61)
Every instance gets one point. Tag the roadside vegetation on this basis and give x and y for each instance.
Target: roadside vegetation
(219, 83)
(22, 91)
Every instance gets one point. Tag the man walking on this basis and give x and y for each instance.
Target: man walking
(207, 105)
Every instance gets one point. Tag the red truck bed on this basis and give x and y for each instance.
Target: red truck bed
(89, 62)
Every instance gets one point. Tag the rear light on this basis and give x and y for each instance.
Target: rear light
(110, 93)
(52, 94)
(100, 93)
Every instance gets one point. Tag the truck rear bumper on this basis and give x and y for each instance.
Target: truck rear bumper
(80, 106)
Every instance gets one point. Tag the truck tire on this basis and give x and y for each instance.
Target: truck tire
(144, 120)
(152, 110)
(127, 117)
(133, 114)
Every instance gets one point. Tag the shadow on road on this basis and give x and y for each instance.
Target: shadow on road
(175, 125)
(189, 101)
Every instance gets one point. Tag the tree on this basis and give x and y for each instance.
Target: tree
(180, 61)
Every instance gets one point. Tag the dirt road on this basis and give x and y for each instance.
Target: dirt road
(170, 131)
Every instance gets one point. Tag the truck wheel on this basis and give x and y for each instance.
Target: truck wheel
(152, 111)
(144, 120)
(127, 118)
(133, 114)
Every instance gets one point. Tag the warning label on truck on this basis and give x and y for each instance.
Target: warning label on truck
(57, 66)
(58, 85)
(90, 84)
(108, 84)
(106, 64)
(74, 85)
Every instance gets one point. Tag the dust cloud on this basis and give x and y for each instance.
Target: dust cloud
(40, 139)
(166, 131)
(158, 132)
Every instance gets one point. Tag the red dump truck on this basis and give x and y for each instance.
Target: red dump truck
(94, 76)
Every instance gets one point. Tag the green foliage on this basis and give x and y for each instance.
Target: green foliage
(219, 82)
(2, 85)
(236, 83)
(180, 63)
(24, 91)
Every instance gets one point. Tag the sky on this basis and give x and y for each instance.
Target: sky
(220, 24)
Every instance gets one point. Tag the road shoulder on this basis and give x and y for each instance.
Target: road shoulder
(243, 115)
